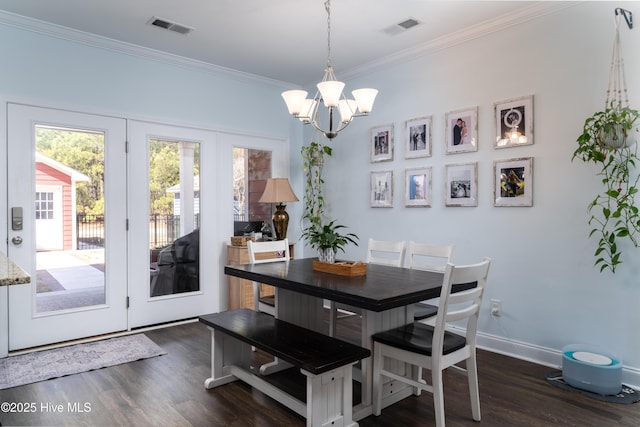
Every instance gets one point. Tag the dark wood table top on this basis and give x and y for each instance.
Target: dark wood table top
(382, 288)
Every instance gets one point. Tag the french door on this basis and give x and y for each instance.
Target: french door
(172, 247)
(124, 222)
(67, 207)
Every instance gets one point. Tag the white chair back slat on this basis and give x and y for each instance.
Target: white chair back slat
(276, 251)
(386, 252)
(429, 257)
(447, 313)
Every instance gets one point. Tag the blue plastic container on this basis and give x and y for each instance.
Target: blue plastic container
(591, 369)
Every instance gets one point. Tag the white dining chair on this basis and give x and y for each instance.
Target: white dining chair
(378, 252)
(263, 252)
(430, 258)
(433, 347)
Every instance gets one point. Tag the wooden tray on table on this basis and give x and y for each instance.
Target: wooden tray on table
(343, 268)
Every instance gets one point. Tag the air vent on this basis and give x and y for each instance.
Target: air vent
(171, 26)
(408, 23)
(401, 27)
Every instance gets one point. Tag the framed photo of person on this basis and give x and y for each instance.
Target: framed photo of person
(512, 182)
(382, 143)
(461, 184)
(462, 130)
(417, 192)
(418, 138)
(382, 189)
(514, 122)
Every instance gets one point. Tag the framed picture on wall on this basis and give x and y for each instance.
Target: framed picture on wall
(417, 138)
(462, 130)
(514, 122)
(382, 143)
(512, 182)
(417, 192)
(461, 184)
(382, 189)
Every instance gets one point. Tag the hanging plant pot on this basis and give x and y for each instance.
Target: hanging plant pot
(327, 255)
(608, 140)
(616, 135)
(317, 158)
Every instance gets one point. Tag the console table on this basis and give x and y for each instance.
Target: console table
(240, 290)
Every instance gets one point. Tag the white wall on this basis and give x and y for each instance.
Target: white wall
(542, 258)
(100, 77)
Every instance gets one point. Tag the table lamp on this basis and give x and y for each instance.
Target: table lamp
(278, 190)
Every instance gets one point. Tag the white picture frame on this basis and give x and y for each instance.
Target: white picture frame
(461, 184)
(418, 137)
(514, 122)
(417, 187)
(381, 189)
(381, 143)
(513, 182)
(462, 130)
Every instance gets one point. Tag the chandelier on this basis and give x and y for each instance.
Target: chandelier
(331, 95)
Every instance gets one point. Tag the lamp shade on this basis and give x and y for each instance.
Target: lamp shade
(331, 90)
(278, 190)
(347, 108)
(294, 100)
(365, 98)
(308, 107)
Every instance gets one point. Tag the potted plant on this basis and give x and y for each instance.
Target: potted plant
(328, 240)
(615, 127)
(608, 140)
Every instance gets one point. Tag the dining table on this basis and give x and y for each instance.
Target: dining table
(385, 295)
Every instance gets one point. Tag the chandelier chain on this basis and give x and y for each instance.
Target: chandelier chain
(327, 6)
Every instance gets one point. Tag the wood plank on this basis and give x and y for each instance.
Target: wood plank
(309, 350)
(168, 391)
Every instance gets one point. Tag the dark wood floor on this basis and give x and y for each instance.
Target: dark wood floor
(169, 391)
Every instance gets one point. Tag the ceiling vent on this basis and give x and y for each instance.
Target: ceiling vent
(171, 26)
(401, 27)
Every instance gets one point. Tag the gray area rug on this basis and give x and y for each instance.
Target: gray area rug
(47, 364)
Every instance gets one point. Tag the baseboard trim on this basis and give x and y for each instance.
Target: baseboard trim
(540, 355)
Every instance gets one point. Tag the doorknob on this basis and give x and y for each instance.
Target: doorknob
(16, 240)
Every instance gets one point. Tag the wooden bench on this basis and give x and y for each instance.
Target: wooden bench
(325, 361)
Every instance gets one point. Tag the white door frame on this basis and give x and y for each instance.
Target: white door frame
(27, 328)
(216, 217)
(145, 310)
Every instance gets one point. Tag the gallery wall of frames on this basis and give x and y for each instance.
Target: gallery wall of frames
(512, 175)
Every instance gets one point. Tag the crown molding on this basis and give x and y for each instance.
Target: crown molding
(482, 29)
(69, 34)
(473, 32)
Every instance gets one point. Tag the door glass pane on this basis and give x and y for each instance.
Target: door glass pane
(69, 218)
(174, 220)
(251, 170)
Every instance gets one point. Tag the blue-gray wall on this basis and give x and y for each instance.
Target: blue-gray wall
(542, 259)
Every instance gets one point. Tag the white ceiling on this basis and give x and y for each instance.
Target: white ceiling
(285, 40)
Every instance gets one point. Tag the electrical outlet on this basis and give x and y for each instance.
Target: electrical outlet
(496, 307)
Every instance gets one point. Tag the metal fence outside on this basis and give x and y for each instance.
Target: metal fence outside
(163, 230)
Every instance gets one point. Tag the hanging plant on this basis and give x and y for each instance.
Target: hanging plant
(609, 139)
(613, 212)
(325, 238)
(313, 160)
